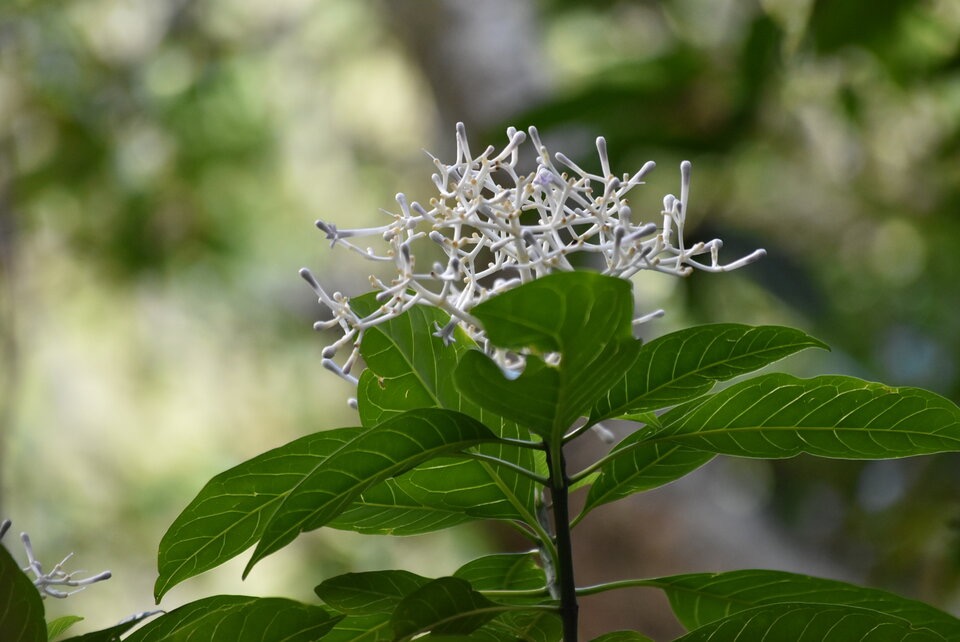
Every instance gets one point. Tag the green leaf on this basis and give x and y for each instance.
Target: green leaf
(584, 316)
(698, 599)
(504, 571)
(373, 455)
(408, 368)
(635, 466)
(374, 627)
(397, 507)
(513, 572)
(60, 625)
(239, 618)
(622, 636)
(229, 514)
(113, 633)
(685, 364)
(21, 609)
(446, 606)
(567, 312)
(370, 592)
(529, 626)
(777, 415)
(811, 623)
(232, 510)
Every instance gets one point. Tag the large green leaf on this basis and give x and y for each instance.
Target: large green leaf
(239, 618)
(21, 609)
(446, 606)
(528, 626)
(232, 510)
(396, 507)
(375, 454)
(503, 571)
(514, 572)
(777, 415)
(229, 514)
(811, 623)
(374, 627)
(584, 316)
(407, 368)
(685, 364)
(369, 592)
(698, 599)
(635, 466)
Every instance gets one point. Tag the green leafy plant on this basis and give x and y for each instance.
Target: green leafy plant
(466, 413)
(449, 439)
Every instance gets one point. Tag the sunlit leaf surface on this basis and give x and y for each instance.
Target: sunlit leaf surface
(374, 455)
(444, 606)
(811, 623)
(687, 363)
(777, 415)
(698, 599)
(369, 592)
(584, 316)
(325, 472)
(408, 368)
(239, 619)
(639, 466)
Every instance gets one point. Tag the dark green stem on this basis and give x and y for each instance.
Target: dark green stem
(559, 491)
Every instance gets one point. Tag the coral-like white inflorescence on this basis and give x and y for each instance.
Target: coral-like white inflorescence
(55, 577)
(499, 228)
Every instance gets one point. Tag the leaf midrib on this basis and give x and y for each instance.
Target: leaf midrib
(626, 407)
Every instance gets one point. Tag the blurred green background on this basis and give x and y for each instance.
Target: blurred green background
(162, 163)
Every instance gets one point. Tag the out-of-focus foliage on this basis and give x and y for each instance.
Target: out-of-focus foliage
(161, 166)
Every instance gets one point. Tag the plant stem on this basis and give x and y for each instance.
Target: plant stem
(559, 487)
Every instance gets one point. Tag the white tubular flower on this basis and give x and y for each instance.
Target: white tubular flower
(499, 228)
(55, 577)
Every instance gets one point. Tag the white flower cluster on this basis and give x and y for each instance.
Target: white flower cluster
(499, 228)
(47, 581)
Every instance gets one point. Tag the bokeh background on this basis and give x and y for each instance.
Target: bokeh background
(162, 163)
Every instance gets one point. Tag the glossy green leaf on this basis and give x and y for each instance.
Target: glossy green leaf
(396, 507)
(61, 625)
(21, 609)
(504, 571)
(811, 623)
(777, 415)
(513, 572)
(239, 618)
(622, 636)
(635, 466)
(374, 627)
(698, 599)
(685, 364)
(232, 510)
(408, 368)
(229, 514)
(113, 633)
(528, 626)
(446, 606)
(584, 316)
(370, 592)
(373, 455)
(568, 312)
